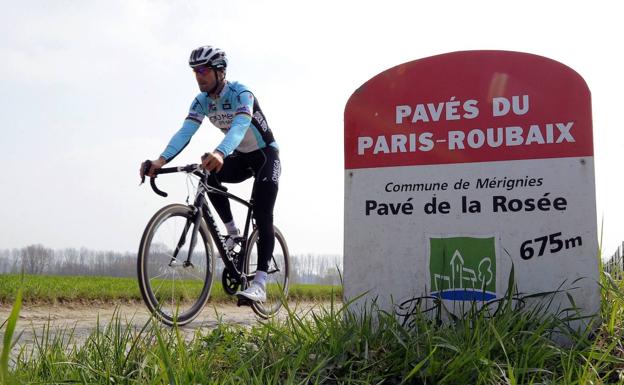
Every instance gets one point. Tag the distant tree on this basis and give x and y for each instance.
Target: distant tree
(35, 258)
(309, 268)
(5, 261)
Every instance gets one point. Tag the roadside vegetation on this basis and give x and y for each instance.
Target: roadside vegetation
(332, 345)
(43, 289)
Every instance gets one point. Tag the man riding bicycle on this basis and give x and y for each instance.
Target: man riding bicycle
(248, 149)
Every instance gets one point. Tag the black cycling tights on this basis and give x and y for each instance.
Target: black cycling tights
(265, 165)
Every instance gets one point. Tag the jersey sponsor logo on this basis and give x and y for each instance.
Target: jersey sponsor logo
(212, 107)
(261, 121)
(222, 120)
(243, 110)
(277, 171)
(196, 117)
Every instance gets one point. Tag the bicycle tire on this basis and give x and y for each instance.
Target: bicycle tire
(278, 275)
(194, 282)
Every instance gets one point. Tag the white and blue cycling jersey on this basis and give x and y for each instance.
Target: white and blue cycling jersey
(235, 112)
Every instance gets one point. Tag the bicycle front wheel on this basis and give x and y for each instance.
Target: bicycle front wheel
(277, 274)
(175, 290)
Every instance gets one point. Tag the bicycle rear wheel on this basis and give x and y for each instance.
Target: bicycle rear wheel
(175, 292)
(277, 276)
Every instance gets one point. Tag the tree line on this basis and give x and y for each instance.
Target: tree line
(38, 259)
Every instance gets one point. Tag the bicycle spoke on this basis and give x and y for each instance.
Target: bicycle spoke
(165, 272)
(158, 276)
(199, 277)
(159, 286)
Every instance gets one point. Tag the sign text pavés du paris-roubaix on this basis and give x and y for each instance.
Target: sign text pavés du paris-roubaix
(462, 165)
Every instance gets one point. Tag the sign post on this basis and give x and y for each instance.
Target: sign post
(462, 165)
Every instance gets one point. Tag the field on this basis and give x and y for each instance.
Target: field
(334, 346)
(59, 289)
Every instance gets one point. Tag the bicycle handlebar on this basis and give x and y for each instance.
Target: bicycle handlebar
(189, 168)
(156, 189)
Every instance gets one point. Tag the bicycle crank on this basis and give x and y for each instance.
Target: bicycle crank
(230, 284)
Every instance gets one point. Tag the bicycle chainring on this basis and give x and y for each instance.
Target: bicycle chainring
(230, 284)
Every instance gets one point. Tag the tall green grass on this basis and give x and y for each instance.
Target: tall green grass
(7, 341)
(332, 345)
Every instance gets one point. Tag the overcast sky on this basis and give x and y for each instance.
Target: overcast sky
(89, 89)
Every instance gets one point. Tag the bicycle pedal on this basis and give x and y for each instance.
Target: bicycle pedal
(243, 301)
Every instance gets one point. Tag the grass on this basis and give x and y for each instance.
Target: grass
(55, 289)
(490, 345)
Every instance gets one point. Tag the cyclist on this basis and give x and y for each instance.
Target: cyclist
(248, 149)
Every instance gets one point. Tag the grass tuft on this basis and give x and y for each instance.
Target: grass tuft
(7, 345)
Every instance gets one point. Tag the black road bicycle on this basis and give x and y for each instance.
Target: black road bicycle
(176, 262)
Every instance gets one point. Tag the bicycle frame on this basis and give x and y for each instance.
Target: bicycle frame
(200, 201)
(201, 209)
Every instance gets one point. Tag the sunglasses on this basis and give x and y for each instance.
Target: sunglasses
(201, 70)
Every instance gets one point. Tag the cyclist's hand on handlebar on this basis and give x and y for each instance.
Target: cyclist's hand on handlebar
(212, 161)
(155, 165)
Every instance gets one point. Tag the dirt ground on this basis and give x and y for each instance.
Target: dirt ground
(83, 318)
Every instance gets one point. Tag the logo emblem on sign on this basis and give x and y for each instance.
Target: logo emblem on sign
(463, 268)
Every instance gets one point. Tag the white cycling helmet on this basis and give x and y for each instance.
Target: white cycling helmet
(209, 56)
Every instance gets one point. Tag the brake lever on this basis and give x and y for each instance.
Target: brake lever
(146, 167)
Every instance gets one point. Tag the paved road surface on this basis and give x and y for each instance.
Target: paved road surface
(85, 317)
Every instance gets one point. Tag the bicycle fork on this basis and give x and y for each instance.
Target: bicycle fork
(195, 221)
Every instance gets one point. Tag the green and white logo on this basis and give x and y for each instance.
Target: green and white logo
(463, 268)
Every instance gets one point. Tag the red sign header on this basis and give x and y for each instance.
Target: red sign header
(473, 106)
